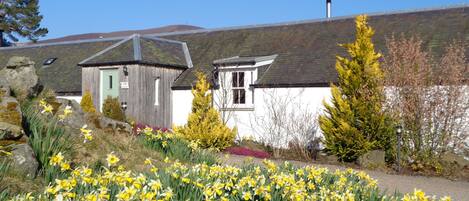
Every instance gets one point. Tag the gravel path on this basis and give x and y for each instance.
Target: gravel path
(458, 190)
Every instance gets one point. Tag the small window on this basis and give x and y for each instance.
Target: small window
(49, 61)
(239, 93)
(157, 87)
(110, 81)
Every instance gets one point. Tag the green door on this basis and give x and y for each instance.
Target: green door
(109, 84)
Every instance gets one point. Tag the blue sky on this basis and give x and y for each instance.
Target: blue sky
(65, 17)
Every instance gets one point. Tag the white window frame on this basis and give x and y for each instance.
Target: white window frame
(238, 88)
(157, 91)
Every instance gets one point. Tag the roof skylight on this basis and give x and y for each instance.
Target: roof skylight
(49, 61)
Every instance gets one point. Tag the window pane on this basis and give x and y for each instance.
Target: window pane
(235, 96)
(157, 87)
(234, 79)
(110, 81)
(241, 79)
(242, 96)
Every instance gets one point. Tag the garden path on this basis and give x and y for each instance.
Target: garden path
(458, 190)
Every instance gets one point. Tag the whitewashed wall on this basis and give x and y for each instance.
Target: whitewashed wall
(310, 98)
(75, 98)
(182, 103)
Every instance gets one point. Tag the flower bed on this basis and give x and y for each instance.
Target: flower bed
(216, 182)
(247, 152)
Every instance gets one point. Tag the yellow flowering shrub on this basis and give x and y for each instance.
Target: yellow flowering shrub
(204, 124)
(86, 103)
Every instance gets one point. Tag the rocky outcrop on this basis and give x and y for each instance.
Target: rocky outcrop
(10, 131)
(20, 76)
(24, 160)
(77, 118)
(109, 123)
(10, 119)
(372, 159)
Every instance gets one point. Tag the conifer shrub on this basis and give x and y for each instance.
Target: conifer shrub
(355, 122)
(204, 125)
(87, 103)
(112, 109)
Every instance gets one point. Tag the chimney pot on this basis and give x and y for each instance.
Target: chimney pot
(328, 8)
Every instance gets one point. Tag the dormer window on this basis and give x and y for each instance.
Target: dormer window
(49, 61)
(239, 91)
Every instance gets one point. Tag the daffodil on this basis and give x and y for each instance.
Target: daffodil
(112, 159)
(47, 109)
(56, 159)
(86, 133)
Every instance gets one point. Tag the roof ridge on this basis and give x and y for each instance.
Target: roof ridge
(65, 43)
(106, 50)
(137, 47)
(372, 14)
(157, 35)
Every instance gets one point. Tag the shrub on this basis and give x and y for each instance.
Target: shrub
(87, 103)
(112, 109)
(205, 125)
(354, 122)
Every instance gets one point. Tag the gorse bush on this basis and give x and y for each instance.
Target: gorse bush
(354, 122)
(175, 147)
(204, 125)
(86, 103)
(112, 109)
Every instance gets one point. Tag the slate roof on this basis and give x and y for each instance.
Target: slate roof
(62, 75)
(142, 50)
(306, 50)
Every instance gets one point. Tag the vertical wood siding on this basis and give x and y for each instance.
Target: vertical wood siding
(139, 96)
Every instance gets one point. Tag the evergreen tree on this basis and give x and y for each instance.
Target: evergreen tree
(354, 122)
(204, 124)
(20, 18)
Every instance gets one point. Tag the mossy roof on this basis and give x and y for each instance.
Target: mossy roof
(141, 49)
(307, 50)
(63, 75)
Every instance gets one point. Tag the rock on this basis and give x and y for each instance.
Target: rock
(20, 75)
(455, 159)
(24, 161)
(372, 159)
(10, 111)
(105, 122)
(10, 131)
(326, 158)
(4, 91)
(77, 118)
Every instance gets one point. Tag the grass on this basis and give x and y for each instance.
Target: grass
(177, 148)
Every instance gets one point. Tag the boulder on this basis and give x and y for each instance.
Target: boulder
(77, 118)
(372, 159)
(10, 131)
(10, 111)
(24, 161)
(455, 159)
(105, 122)
(20, 75)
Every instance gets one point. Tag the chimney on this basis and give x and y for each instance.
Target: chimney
(328, 8)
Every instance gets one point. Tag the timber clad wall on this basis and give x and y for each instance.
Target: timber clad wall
(140, 96)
